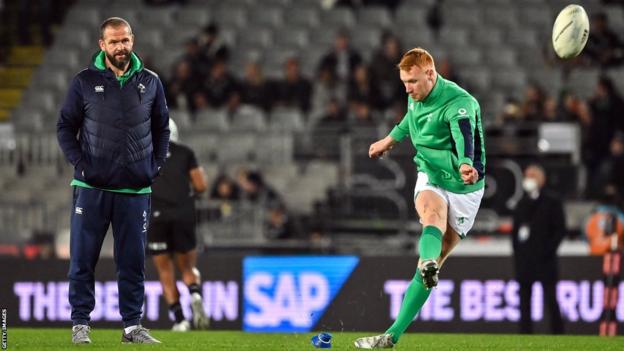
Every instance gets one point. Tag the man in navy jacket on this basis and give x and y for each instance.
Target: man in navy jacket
(114, 129)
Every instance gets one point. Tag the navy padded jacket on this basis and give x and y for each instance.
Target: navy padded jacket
(116, 137)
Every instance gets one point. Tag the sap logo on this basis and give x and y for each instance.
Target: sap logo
(294, 300)
(290, 294)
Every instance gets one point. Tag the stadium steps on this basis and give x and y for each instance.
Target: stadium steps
(15, 77)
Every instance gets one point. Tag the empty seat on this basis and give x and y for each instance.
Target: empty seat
(413, 37)
(256, 37)
(469, 16)
(230, 16)
(409, 14)
(374, 16)
(503, 17)
(365, 39)
(296, 38)
(454, 37)
(509, 80)
(525, 39)
(248, 118)
(487, 37)
(303, 16)
(286, 120)
(539, 17)
(236, 148)
(583, 81)
(197, 16)
(466, 57)
(84, 16)
(339, 17)
(161, 16)
(477, 78)
(62, 58)
(212, 119)
(501, 57)
(268, 16)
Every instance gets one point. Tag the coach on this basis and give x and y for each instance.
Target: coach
(113, 128)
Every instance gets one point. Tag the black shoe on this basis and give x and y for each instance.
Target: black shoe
(429, 272)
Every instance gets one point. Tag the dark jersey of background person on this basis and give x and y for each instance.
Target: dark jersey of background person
(172, 194)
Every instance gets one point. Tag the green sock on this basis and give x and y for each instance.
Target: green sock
(415, 297)
(430, 244)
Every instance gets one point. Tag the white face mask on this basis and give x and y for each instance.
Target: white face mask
(529, 185)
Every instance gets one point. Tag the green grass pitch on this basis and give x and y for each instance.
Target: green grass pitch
(108, 339)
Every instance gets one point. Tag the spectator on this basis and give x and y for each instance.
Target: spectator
(220, 87)
(226, 191)
(193, 54)
(383, 70)
(612, 168)
(532, 108)
(253, 89)
(295, 90)
(606, 107)
(326, 89)
(334, 117)
(362, 87)
(361, 115)
(342, 59)
(538, 228)
(278, 224)
(182, 87)
(604, 47)
(447, 70)
(212, 45)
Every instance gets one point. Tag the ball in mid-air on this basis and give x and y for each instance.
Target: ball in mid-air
(570, 31)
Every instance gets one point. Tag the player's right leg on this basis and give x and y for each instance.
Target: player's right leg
(432, 210)
(89, 222)
(159, 248)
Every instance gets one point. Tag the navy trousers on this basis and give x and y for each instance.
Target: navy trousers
(94, 210)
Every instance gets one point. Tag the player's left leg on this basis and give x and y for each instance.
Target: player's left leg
(190, 275)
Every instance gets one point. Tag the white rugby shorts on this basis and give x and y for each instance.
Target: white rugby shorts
(462, 208)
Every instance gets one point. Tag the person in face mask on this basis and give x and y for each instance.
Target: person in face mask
(538, 228)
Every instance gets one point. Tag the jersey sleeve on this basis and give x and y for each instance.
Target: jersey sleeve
(401, 130)
(192, 160)
(462, 116)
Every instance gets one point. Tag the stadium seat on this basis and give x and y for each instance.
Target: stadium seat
(237, 147)
(583, 81)
(465, 57)
(454, 37)
(195, 16)
(212, 120)
(62, 58)
(339, 17)
(374, 16)
(255, 37)
(248, 118)
(230, 16)
(160, 16)
(487, 37)
(410, 15)
(365, 39)
(287, 120)
(267, 16)
(297, 37)
(501, 57)
(502, 17)
(413, 37)
(84, 16)
(467, 16)
(303, 16)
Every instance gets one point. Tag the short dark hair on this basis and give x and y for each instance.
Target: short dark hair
(113, 22)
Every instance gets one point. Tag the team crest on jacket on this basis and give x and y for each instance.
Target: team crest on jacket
(141, 88)
(99, 88)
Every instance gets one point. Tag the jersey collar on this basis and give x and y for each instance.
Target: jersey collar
(436, 91)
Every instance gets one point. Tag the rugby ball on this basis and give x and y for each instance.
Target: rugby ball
(570, 31)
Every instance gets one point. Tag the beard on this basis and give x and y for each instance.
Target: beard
(122, 62)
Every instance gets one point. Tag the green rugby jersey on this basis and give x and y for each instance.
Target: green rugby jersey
(446, 131)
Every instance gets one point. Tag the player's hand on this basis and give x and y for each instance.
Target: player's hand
(468, 174)
(379, 148)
